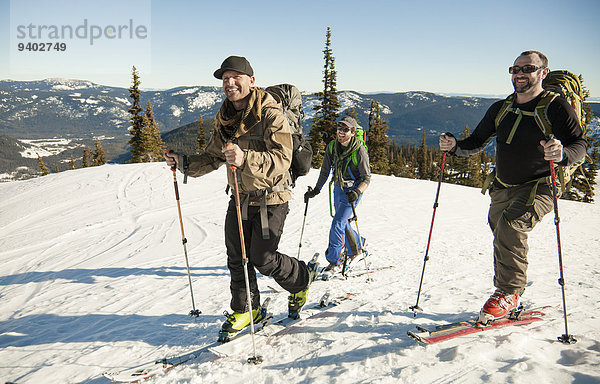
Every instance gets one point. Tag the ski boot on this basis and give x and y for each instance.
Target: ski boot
(297, 300)
(499, 305)
(237, 321)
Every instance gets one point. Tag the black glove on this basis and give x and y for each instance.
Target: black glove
(353, 195)
(310, 194)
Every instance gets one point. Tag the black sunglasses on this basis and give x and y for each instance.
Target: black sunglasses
(526, 69)
(343, 128)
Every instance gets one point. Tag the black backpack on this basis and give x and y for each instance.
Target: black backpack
(291, 104)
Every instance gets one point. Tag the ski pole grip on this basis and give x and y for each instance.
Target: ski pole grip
(174, 167)
(231, 166)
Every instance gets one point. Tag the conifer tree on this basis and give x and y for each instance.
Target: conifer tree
(137, 120)
(352, 113)
(84, 161)
(43, 169)
(201, 137)
(486, 162)
(98, 155)
(458, 169)
(584, 178)
(153, 147)
(378, 142)
(592, 173)
(72, 163)
(326, 112)
(474, 171)
(423, 159)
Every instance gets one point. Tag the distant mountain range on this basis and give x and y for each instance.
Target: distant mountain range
(76, 111)
(61, 107)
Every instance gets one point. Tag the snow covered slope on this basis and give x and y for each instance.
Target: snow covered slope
(93, 279)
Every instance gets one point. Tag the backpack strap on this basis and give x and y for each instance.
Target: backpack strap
(507, 107)
(264, 217)
(541, 112)
(504, 109)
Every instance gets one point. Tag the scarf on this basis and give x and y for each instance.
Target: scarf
(341, 157)
(236, 123)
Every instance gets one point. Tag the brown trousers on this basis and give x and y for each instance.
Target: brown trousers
(511, 220)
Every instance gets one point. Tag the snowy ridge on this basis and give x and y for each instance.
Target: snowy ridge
(45, 147)
(93, 279)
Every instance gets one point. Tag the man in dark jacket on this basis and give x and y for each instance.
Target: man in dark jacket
(252, 134)
(520, 195)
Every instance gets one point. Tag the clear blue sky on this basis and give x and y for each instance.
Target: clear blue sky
(393, 45)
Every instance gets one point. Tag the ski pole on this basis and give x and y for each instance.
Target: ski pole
(194, 312)
(255, 359)
(566, 338)
(416, 307)
(303, 222)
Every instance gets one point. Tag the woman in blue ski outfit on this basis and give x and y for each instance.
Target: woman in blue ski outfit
(348, 158)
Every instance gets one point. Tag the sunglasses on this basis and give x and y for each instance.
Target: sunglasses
(343, 128)
(525, 69)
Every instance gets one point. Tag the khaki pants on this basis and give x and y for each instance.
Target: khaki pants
(510, 220)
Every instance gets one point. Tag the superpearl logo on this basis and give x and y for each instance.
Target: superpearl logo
(105, 36)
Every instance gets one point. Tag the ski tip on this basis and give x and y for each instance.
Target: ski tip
(414, 336)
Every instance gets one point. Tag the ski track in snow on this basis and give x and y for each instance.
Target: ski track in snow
(93, 279)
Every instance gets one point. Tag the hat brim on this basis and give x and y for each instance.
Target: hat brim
(219, 72)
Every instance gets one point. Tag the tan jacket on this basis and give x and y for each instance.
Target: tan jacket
(268, 154)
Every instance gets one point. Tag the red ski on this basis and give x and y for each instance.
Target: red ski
(450, 331)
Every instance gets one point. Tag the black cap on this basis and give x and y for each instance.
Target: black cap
(234, 63)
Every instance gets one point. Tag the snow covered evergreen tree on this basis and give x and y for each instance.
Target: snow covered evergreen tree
(378, 142)
(326, 112)
(98, 155)
(137, 120)
(84, 161)
(153, 146)
(43, 169)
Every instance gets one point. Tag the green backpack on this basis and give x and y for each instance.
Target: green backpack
(560, 83)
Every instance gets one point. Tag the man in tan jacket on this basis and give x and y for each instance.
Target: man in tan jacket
(252, 134)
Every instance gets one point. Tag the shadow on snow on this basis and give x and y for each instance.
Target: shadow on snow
(86, 276)
(171, 329)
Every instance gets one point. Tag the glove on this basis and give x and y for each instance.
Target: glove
(353, 195)
(310, 194)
